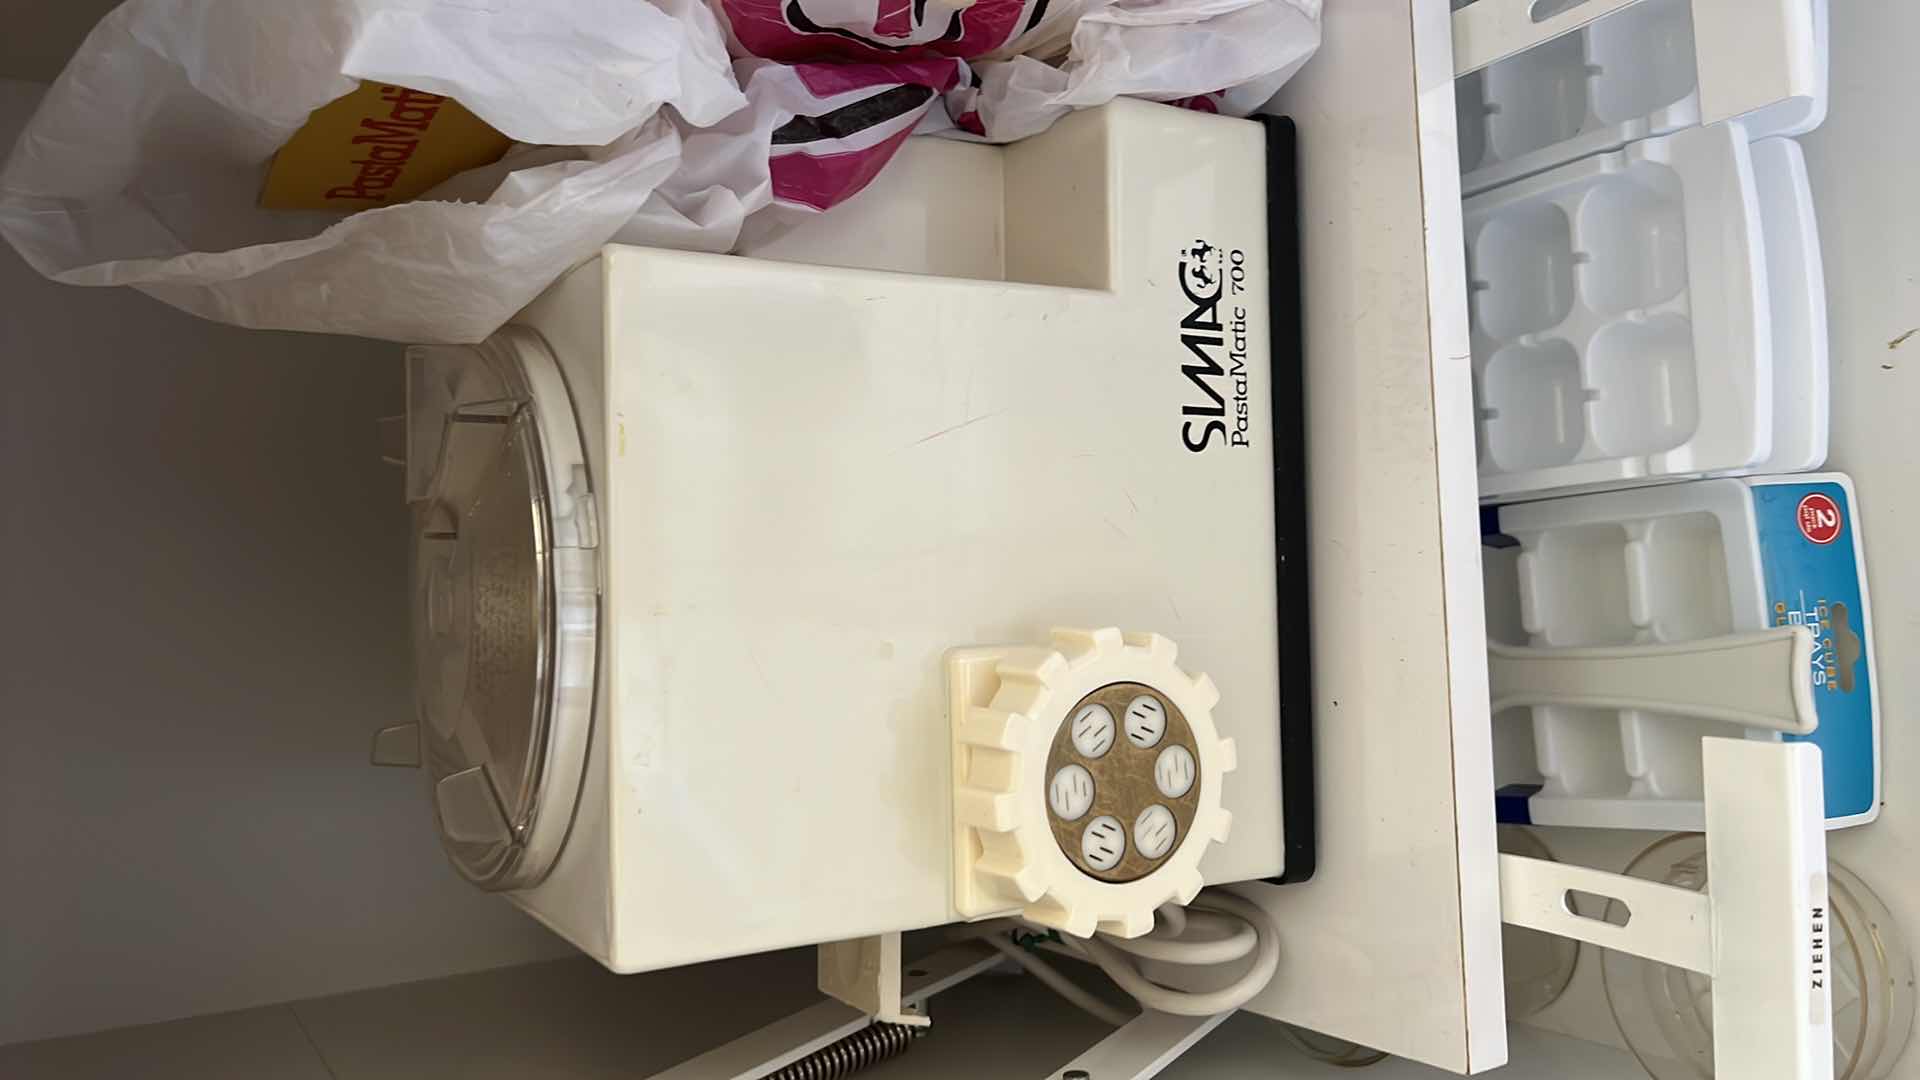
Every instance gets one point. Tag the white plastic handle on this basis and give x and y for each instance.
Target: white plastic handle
(1761, 930)
(1762, 679)
(1754, 53)
(1767, 874)
(1668, 923)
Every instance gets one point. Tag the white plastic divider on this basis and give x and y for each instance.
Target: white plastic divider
(1761, 928)
(1797, 293)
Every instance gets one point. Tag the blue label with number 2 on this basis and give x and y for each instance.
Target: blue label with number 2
(1812, 576)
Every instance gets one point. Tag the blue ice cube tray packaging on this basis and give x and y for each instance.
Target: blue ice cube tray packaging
(1679, 562)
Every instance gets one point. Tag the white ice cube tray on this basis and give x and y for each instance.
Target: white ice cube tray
(1627, 76)
(1620, 316)
(1624, 327)
(1672, 563)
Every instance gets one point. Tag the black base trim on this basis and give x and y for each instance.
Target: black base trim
(1287, 348)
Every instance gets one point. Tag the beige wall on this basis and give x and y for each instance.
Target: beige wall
(41, 34)
(202, 619)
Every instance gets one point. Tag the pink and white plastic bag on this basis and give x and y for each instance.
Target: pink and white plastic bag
(668, 122)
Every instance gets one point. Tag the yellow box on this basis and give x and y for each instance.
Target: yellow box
(380, 145)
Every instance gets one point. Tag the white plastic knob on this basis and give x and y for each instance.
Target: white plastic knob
(1093, 729)
(1174, 771)
(1154, 831)
(1070, 792)
(1146, 721)
(1104, 842)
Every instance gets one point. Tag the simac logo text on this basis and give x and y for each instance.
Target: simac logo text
(1216, 411)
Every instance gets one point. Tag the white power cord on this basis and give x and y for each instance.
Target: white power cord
(1262, 942)
(1231, 929)
(1173, 918)
(1057, 982)
(1235, 940)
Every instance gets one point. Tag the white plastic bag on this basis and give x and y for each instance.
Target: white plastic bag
(143, 165)
(830, 100)
(669, 122)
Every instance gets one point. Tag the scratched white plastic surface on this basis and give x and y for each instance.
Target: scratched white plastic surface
(820, 479)
(1396, 941)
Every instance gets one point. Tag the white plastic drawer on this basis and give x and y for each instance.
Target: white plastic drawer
(1396, 943)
